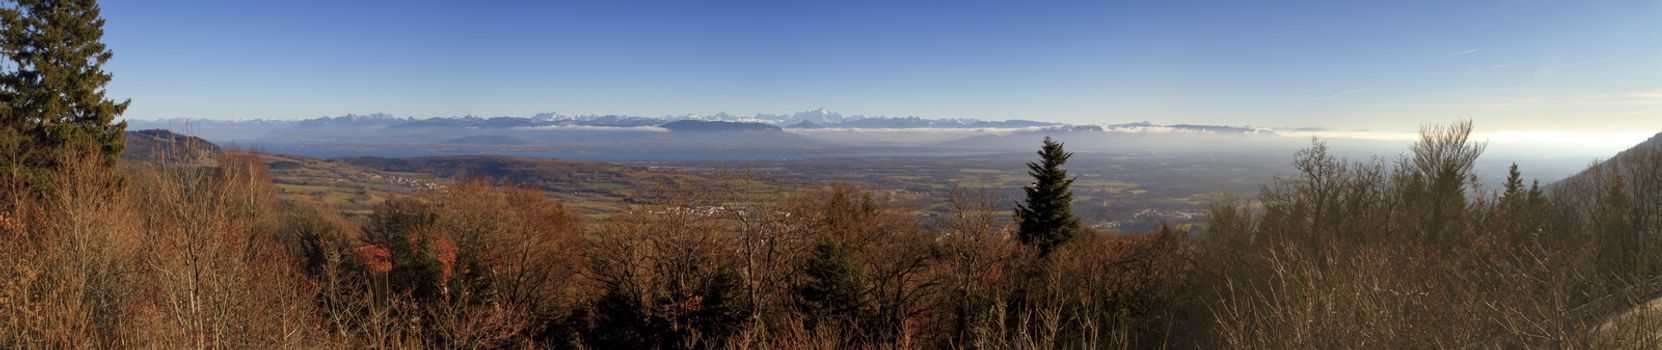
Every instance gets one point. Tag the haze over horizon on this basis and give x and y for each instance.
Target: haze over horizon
(1518, 68)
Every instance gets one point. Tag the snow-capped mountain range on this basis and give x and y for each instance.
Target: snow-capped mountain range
(806, 120)
(818, 118)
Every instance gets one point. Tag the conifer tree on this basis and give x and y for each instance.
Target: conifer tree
(1518, 205)
(52, 102)
(1047, 219)
(404, 228)
(1536, 197)
(1514, 184)
(832, 292)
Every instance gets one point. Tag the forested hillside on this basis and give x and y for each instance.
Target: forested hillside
(163, 145)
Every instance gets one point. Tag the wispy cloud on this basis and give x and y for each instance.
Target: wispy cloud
(1627, 113)
(1646, 100)
(1631, 99)
(1641, 98)
(1354, 91)
(1485, 91)
(1463, 53)
(593, 128)
(1489, 68)
(1587, 62)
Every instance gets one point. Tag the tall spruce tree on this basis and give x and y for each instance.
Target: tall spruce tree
(52, 103)
(832, 290)
(1514, 189)
(1047, 219)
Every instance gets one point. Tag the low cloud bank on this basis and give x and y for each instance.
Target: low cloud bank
(592, 128)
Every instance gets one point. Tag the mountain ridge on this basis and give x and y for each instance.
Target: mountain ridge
(820, 117)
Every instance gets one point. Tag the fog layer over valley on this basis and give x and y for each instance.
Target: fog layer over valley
(823, 134)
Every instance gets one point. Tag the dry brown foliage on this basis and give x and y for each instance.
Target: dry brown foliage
(1411, 254)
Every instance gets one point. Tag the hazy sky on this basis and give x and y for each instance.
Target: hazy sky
(1587, 66)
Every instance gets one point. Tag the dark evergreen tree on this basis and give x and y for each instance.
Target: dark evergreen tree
(832, 291)
(52, 102)
(404, 228)
(1536, 197)
(1519, 206)
(1514, 185)
(311, 237)
(697, 305)
(1047, 219)
(1612, 222)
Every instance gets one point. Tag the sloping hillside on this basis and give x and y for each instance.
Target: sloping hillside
(1634, 176)
(1639, 171)
(1636, 153)
(348, 187)
(158, 144)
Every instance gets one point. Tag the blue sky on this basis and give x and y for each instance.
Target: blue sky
(1585, 66)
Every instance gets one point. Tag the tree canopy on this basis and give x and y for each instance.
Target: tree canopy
(1046, 217)
(52, 99)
